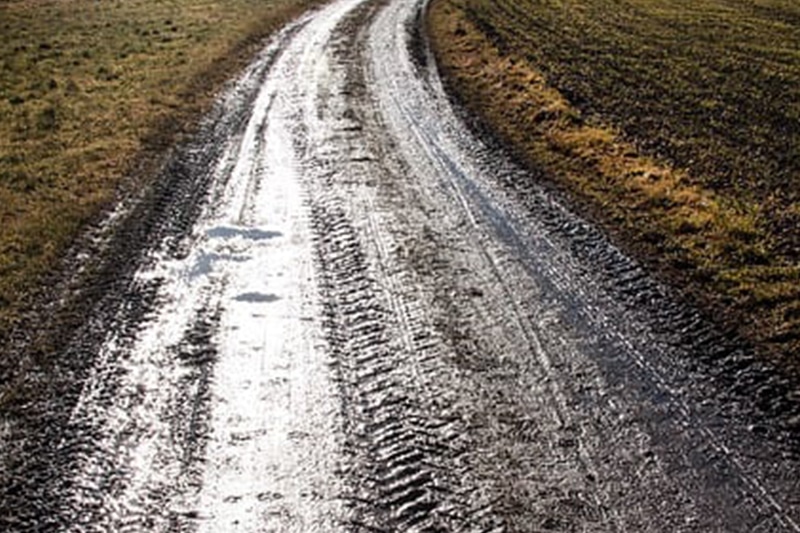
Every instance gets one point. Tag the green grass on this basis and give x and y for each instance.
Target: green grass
(676, 122)
(86, 88)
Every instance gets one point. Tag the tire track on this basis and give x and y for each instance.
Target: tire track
(387, 426)
(405, 432)
(433, 382)
(635, 350)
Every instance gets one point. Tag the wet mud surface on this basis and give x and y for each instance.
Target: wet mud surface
(342, 310)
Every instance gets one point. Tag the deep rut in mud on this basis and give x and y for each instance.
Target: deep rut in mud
(345, 311)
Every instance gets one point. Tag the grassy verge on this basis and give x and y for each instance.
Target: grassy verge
(675, 124)
(91, 93)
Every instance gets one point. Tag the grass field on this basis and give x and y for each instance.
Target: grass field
(90, 93)
(674, 123)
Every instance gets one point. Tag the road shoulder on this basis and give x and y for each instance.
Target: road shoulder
(694, 238)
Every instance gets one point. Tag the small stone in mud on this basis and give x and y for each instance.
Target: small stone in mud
(475, 292)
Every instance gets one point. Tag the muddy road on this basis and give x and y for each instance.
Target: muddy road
(342, 310)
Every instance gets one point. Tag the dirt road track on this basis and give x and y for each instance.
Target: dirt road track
(342, 310)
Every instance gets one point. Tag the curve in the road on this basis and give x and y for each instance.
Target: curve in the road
(344, 310)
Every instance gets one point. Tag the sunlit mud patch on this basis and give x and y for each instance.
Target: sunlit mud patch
(272, 457)
(233, 379)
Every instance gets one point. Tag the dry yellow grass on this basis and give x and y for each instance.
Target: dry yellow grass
(86, 88)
